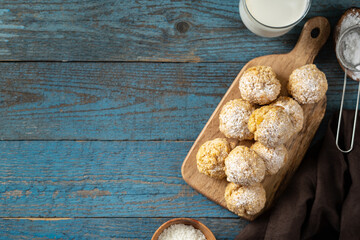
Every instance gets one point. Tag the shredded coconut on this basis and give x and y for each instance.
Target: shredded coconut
(181, 232)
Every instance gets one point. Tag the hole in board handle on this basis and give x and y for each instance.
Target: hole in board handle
(315, 32)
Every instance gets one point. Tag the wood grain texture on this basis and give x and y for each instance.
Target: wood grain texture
(106, 228)
(303, 53)
(124, 101)
(98, 179)
(111, 101)
(165, 31)
(120, 101)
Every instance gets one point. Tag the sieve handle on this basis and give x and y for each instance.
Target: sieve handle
(313, 36)
(355, 118)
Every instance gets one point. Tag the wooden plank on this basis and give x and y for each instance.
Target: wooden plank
(111, 101)
(124, 101)
(106, 228)
(176, 31)
(98, 179)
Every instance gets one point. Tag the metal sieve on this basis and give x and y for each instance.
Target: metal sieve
(341, 47)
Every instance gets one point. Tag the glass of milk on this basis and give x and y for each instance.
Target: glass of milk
(272, 18)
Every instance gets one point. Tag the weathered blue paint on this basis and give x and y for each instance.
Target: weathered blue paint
(139, 30)
(106, 228)
(132, 186)
(98, 179)
(112, 101)
(123, 101)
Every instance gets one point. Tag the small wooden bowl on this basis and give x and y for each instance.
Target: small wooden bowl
(187, 221)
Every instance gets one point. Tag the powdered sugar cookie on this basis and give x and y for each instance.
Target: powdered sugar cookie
(271, 125)
(307, 84)
(274, 158)
(259, 85)
(234, 117)
(211, 157)
(240, 199)
(243, 166)
(293, 109)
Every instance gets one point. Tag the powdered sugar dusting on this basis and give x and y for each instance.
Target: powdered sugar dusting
(273, 129)
(352, 52)
(274, 158)
(234, 118)
(243, 166)
(259, 85)
(307, 84)
(293, 109)
(352, 48)
(242, 199)
(350, 20)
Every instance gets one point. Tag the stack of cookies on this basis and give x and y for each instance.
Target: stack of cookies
(266, 119)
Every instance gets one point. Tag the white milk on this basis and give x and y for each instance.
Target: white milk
(273, 17)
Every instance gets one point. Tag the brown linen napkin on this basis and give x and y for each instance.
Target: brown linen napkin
(323, 199)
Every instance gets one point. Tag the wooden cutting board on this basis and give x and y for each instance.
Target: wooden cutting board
(304, 52)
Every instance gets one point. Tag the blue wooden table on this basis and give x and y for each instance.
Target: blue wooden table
(101, 100)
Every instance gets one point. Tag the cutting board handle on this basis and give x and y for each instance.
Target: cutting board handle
(313, 36)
